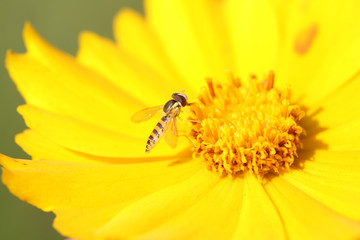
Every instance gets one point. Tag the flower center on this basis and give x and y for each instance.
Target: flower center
(242, 128)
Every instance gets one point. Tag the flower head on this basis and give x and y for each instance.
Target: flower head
(272, 142)
(247, 128)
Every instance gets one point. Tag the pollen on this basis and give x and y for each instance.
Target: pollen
(246, 128)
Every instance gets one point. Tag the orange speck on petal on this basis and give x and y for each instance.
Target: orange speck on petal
(305, 38)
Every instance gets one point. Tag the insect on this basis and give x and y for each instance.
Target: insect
(167, 124)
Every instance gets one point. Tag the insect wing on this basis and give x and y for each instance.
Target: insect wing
(171, 133)
(145, 114)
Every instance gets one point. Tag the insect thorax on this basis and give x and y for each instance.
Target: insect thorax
(173, 107)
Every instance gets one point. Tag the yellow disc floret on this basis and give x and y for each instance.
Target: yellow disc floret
(251, 128)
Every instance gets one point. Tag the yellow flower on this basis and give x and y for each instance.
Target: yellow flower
(242, 179)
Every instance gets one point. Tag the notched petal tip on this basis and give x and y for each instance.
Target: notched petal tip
(83, 40)
(84, 35)
(121, 20)
(20, 109)
(10, 54)
(35, 44)
(87, 42)
(29, 34)
(3, 159)
(28, 27)
(11, 163)
(87, 38)
(123, 14)
(11, 58)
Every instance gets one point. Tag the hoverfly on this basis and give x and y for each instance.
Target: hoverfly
(167, 124)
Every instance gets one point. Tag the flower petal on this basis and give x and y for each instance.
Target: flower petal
(337, 108)
(340, 138)
(193, 36)
(136, 38)
(71, 222)
(66, 87)
(124, 71)
(336, 126)
(40, 147)
(118, 182)
(73, 188)
(166, 214)
(321, 47)
(145, 213)
(325, 182)
(86, 138)
(79, 93)
(254, 36)
(258, 211)
(306, 218)
(342, 165)
(79, 135)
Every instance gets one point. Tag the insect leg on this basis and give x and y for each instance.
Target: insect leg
(187, 137)
(188, 120)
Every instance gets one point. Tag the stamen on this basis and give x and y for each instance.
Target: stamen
(251, 128)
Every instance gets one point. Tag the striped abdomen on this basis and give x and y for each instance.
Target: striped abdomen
(157, 133)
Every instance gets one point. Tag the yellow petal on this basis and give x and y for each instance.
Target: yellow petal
(199, 222)
(78, 135)
(193, 37)
(340, 138)
(259, 218)
(124, 71)
(90, 139)
(70, 89)
(136, 38)
(306, 218)
(338, 108)
(157, 208)
(71, 222)
(180, 219)
(72, 188)
(67, 88)
(254, 36)
(118, 182)
(329, 187)
(334, 122)
(40, 147)
(343, 165)
(321, 48)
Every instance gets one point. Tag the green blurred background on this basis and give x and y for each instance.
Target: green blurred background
(60, 22)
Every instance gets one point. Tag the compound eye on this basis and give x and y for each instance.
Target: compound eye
(183, 101)
(181, 98)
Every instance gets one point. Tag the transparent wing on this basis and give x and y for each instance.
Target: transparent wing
(145, 114)
(171, 133)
